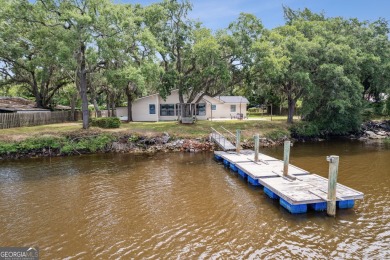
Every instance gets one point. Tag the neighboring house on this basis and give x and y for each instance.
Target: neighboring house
(154, 108)
(22, 105)
(19, 105)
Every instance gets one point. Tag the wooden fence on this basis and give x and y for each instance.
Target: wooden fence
(9, 120)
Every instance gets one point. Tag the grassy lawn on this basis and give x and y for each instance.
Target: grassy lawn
(198, 130)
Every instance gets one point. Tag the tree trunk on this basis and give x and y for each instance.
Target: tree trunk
(291, 108)
(82, 74)
(113, 114)
(97, 110)
(37, 95)
(108, 106)
(129, 108)
(73, 100)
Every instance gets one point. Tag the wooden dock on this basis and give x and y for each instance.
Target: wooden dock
(307, 191)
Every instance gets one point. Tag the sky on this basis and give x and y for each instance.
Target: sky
(217, 14)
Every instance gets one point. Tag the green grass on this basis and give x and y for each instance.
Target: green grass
(380, 118)
(65, 127)
(200, 129)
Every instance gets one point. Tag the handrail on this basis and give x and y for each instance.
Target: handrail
(220, 136)
(215, 131)
(228, 131)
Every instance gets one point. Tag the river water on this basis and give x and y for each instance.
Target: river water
(180, 205)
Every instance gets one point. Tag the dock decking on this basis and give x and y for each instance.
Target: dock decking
(307, 191)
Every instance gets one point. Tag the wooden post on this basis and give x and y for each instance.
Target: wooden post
(257, 139)
(286, 157)
(238, 139)
(332, 184)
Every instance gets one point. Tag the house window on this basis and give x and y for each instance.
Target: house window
(201, 109)
(213, 107)
(232, 108)
(152, 109)
(167, 110)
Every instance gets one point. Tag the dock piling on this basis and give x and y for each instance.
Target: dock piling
(257, 140)
(332, 184)
(238, 139)
(286, 157)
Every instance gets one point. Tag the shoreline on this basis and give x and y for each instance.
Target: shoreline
(98, 141)
(126, 144)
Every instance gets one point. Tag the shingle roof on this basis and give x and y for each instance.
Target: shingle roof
(21, 104)
(233, 99)
(18, 104)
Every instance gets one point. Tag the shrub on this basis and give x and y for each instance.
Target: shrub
(254, 114)
(254, 110)
(6, 147)
(386, 108)
(304, 129)
(277, 134)
(40, 142)
(133, 138)
(30, 144)
(89, 144)
(106, 122)
(367, 113)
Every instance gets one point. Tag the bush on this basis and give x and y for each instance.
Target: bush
(31, 144)
(254, 110)
(6, 147)
(304, 130)
(106, 122)
(254, 114)
(277, 134)
(386, 109)
(88, 144)
(368, 114)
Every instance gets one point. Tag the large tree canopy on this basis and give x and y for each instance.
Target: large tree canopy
(28, 52)
(328, 63)
(196, 61)
(97, 47)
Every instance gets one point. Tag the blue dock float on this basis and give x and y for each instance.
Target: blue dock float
(320, 206)
(242, 174)
(345, 204)
(253, 181)
(226, 163)
(294, 209)
(217, 157)
(271, 194)
(306, 191)
(233, 167)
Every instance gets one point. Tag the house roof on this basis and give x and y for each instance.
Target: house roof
(233, 99)
(13, 104)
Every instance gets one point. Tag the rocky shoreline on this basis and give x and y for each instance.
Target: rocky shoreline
(141, 145)
(129, 143)
(374, 130)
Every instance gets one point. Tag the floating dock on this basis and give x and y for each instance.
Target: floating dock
(297, 194)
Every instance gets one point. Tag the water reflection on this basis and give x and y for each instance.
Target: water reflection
(187, 205)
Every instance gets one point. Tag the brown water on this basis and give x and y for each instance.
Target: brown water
(188, 206)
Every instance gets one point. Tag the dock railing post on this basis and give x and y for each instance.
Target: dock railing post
(238, 139)
(332, 184)
(257, 138)
(286, 157)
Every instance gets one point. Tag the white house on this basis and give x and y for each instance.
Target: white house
(154, 108)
